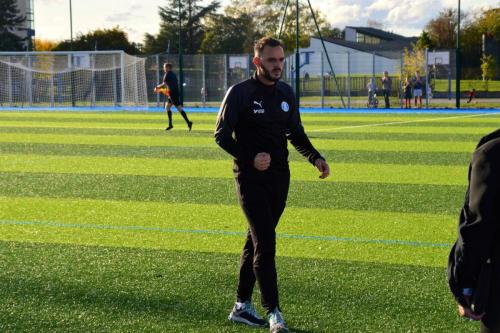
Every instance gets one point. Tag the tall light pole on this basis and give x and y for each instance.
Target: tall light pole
(458, 61)
(72, 75)
(297, 57)
(70, 26)
(181, 70)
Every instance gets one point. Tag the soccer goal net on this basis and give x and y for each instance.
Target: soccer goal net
(65, 79)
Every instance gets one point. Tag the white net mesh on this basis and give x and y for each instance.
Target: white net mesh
(54, 79)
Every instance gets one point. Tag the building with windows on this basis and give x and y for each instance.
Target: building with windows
(362, 51)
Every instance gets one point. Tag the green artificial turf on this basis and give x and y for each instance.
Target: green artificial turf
(110, 224)
(61, 288)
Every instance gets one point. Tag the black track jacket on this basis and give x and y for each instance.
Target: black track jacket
(170, 79)
(262, 118)
(479, 224)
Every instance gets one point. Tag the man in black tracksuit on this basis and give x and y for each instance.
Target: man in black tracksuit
(478, 243)
(170, 82)
(262, 114)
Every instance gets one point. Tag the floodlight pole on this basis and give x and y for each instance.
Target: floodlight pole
(326, 53)
(70, 26)
(297, 58)
(297, 52)
(181, 70)
(72, 75)
(458, 61)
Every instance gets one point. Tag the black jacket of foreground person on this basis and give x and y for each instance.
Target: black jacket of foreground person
(474, 261)
(262, 118)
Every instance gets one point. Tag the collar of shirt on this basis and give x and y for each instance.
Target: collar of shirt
(255, 78)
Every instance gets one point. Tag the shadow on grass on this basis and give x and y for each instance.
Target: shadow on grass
(49, 287)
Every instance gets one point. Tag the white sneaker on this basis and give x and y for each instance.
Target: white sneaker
(247, 314)
(276, 322)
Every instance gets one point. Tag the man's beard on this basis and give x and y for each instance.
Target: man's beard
(268, 76)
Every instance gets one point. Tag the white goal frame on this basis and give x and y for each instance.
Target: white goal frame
(69, 79)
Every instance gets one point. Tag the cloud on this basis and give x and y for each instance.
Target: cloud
(120, 17)
(342, 14)
(383, 5)
(131, 14)
(52, 2)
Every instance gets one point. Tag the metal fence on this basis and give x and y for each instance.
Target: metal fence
(207, 77)
(112, 78)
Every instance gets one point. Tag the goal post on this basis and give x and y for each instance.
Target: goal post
(66, 79)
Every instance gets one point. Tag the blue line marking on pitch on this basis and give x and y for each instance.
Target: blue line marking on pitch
(225, 233)
(216, 109)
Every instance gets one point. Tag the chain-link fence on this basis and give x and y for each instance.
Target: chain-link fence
(338, 80)
(207, 77)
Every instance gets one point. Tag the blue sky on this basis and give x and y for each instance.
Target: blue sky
(140, 16)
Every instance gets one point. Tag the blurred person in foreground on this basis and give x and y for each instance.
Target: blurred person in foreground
(474, 261)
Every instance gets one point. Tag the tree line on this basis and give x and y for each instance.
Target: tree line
(204, 29)
(210, 29)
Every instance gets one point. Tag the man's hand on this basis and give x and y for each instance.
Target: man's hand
(467, 312)
(322, 167)
(262, 161)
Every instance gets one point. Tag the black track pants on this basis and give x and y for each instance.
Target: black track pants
(262, 197)
(386, 98)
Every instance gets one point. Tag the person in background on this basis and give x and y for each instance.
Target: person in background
(472, 94)
(418, 87)
(407, 93)
(170, 82)
(372, 89)
(386, 89)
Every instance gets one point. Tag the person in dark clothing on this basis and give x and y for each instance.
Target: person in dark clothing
(262, 114)
(170, 82)
(478, 242)
(407, 93)
(472, 94)
(386, 89)
(418, 88)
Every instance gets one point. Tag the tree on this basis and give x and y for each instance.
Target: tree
(10, 22)
(192, 31)
(267, 15)
(227, 34)
(44, 44)
(442, 30)
(489, 23)
(330, 32)
(488, 68)
(413, 61)
(101, 39)
(425, 42)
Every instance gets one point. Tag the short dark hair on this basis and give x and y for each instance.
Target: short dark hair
(167, 64)
(266, 41)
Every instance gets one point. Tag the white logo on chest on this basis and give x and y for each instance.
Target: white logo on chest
(258, 103)
(260, 110)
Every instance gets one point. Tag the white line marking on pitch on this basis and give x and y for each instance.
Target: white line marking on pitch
(402, 122)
